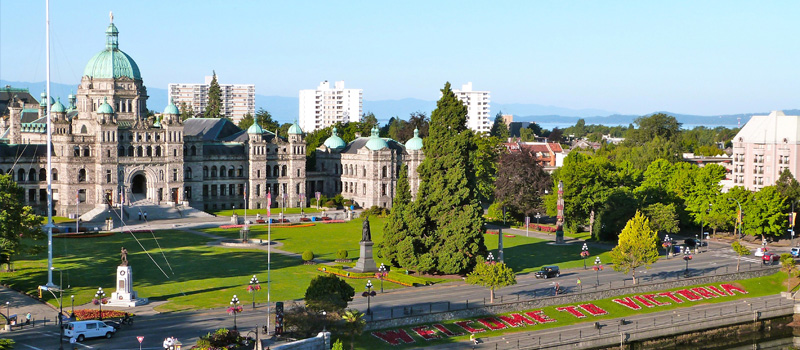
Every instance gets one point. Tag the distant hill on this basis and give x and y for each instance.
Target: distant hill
(285, 109)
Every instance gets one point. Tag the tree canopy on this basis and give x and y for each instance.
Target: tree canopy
(521, 182)
(328, 293)
(214, 105)
(492, 275)
(637, 247)
(18, 223)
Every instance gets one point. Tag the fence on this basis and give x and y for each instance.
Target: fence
(385, 317)
(646, 327)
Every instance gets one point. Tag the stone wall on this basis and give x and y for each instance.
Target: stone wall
(564, 299)
(321, 342)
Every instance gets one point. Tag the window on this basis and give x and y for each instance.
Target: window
(82, 175)
(31, 195)
(214, 171)
(231, 172)
(269, 171)
(258, 190)
(240, 172)
(258, 174)
(205, 190)
(32, 175)
(149, 151)
(283, 171)
(55, 174)
(298, 172)
(187, 193)
(76, 151)
(241, 190)
(193, 150)
(42, 175)
(108, 176)
(139, 151)
(158, 151)
(213, 191)
(276, 171)
(130, 151)
(383, 172)
(223, 190)
(383, 189)
(43, 195)
(205, 172)
(174, 174)
(222, 171)
(187, 175)
(21, 175)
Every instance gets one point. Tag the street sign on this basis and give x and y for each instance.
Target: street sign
(140, 338)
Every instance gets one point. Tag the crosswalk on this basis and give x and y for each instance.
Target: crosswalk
(729, 253)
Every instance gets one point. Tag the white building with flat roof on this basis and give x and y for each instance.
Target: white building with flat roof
(238, 100)
(325, 106)
(764, 147)
(477, 103)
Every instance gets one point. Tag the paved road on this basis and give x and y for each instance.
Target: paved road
(188, 326)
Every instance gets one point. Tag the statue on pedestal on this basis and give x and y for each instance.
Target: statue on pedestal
(366, 236)
(365, 262)
(124, 257)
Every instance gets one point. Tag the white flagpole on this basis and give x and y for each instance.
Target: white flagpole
(49, 225)
(269, 252)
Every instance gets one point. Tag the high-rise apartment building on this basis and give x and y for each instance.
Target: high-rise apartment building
(766, 146)
(326, 106)
(238, 100)
(477, 103)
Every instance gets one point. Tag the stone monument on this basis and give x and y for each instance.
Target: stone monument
(365, 262)
(125, 295)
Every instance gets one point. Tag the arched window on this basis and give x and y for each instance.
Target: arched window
(283, 171)
(222, 171)
(76, 151)
(83, 130)
(214, 171)
(139, 151)
(130, 151)
(21, 175)
(231, 171)
(42, 175)
(194, 150)
(188, 173)
(149, 151)
(32, 175)
(269, 172)
(276, 171)
(205, 172)
(240, 173)
(121, 151)
(87, 152)
(55, 174)
(82, 175)
(351, 170)
(158, 151)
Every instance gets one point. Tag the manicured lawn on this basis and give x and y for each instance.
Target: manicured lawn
(755, 287)
(528, 254)
(275, 212)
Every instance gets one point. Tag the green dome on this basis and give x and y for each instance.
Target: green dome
(334, 142)
(171, 108)
(58, 107)
(43, 98)
(295, 130)
(415, 143)
(376, 143)
(255, 129)
(112, 62)
(105, 108)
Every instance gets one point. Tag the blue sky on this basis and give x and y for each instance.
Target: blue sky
(632, 57)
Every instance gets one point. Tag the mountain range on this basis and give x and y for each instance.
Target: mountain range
(285, 109)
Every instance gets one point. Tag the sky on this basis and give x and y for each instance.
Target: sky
(629, 57)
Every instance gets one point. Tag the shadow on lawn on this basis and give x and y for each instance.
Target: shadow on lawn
(530, 257)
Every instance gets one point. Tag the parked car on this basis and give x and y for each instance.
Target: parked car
(548, 272)
(81, 330)
(770, 258)
(113, 324)
(692, 243)
(760, 251)
(795, 252)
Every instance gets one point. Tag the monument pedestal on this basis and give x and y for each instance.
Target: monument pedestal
(125, 295)
(365, 262)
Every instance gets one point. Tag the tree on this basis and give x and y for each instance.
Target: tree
(17, 221)
(652, 126)
(246, 122)
(484, 163)
(499, 128)
(788, 186)
(338, 345)
(264, 118)
(328, 293)
(450, 219)
(663, 218)
(395, 230)
(588, 183)
(521, 182)
(214, 104)
(787, 264)
(765, 213)
(304, 322)
(369, 119)
(740, 251)
(492, 275)
(186, 111)
(638, 246)
(354, 324)
(556, 135)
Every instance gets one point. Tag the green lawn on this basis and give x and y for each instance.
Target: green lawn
(275, 212)
(755, 287)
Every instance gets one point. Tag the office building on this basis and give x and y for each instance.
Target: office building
(327, 106)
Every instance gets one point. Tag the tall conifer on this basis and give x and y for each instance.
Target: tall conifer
(214, 99)
(396, 228)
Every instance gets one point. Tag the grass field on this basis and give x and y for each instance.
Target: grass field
(275, 212)
(755, 287)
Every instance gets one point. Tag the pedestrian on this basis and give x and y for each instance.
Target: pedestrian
(579, 285)
(28, 318)
(472, 339)
(145, 216)
(140, 215)
(556, 288)
(166, 344)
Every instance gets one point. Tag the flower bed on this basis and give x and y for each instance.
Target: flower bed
(93, 314)
(543, 228)
(83, 235)
(394, 277)
(333, 221)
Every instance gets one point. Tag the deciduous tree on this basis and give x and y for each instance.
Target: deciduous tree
(521, 182)
(764, 213)
(740, 251)
(637, 247)
(329, 293)
(17, 221)
(492, 275)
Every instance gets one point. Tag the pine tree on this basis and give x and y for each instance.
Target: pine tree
(214, 99)
(395, 230)
(499, 128)
(446, 215)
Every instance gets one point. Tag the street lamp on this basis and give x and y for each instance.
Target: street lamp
(381, 274)
(8, 310)
(252, 288)
(100, 299)
(72, 305)
(490, 258)
(597, 267)
(538, 216)
(667, 245)
(234, 309)
(584, 254)
(687, 255)
(369, 293)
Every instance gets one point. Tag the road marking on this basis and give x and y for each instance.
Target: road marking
(32, 347)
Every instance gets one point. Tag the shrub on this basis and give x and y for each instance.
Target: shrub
(375, 211)
(220, 339)
(330, 204)
(329, 293)
(308, 255)
(341, 254)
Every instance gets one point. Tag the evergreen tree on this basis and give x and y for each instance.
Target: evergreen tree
(395, 230)
(214, 99)
(18, 223)
(246, 122)
(450, 223)
(499, 128)
(186, 111)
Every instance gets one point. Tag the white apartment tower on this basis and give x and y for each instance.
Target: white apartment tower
(477, 103)
(326, 106)
(238, 100)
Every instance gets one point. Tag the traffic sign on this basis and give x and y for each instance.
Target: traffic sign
(140, 338)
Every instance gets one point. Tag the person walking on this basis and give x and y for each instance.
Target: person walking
(140, 215)
(145, 216)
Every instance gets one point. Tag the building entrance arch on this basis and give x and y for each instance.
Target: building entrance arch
(139, 184)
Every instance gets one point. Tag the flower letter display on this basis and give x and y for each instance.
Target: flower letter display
(639, 302)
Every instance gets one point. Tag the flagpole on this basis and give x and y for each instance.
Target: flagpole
(269, 253)
(49, 225)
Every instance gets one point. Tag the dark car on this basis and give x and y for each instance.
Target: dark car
(548, 272)
(693, 243)
(113, 324)
(770, 258)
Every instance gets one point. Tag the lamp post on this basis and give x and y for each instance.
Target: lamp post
(8, 310)
(72, 305)
(369, 293)
(687, 255)
(234, 309)
(584, 254)
(538, 216)
(697, 244)
(667, 246)
(60, 308)
(597, 267)
(381, 274)
(252, 288)
(99, 298)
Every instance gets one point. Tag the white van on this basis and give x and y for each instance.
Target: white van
(88, 329)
